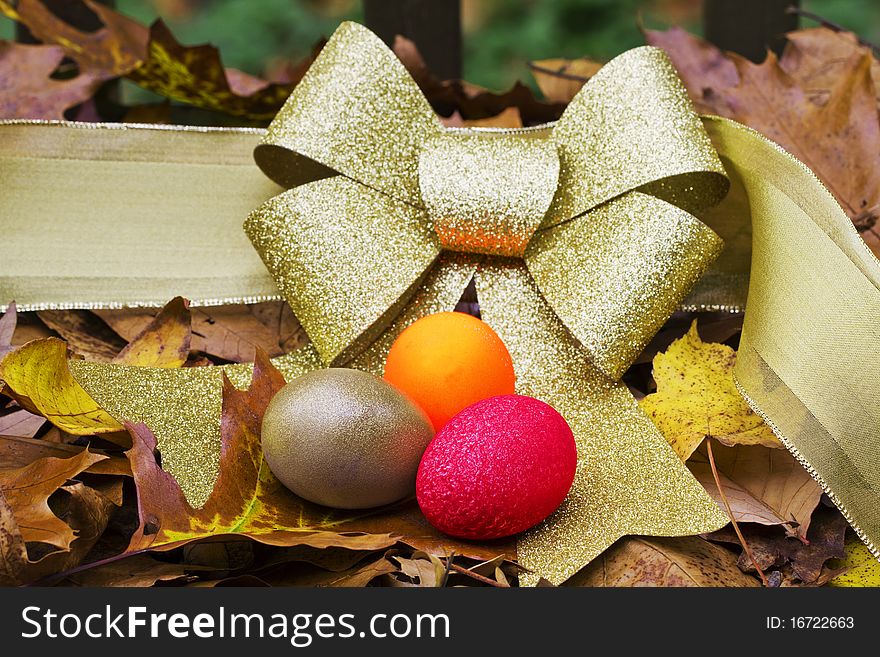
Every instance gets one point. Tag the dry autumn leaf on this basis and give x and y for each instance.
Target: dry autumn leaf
(28, 91)
(25, 327)
(87, 510)
(127, 322)
(17, 452)
(84, 333)
(37, 377)
(333, 559)
(279, 318)
(863, 569)
(358, 577)
(696, 398)
(509, 118)
(8, 322)
(837, 137)
(195, 75)
(406, 521)
(663, 562)
(13, 553)
(424, 569)
(762, 485)
(109, 52)
(20, 424)
(140, 570)
(772, 549)
(27, 490)
(560, 79)
(306, 574)
(232, 333)
(164, 342)
(818, 57)
(154, 59)
(471, 101)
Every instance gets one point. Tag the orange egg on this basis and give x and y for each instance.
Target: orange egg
(448, 361)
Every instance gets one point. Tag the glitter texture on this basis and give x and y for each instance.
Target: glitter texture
(343, 255)
(487, 192)
(182, 408)
(357, 112)
(361, 255)
(632, 125)
(628, 479)
(617, 274)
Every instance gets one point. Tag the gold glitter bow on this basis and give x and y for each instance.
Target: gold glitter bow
(578, 235)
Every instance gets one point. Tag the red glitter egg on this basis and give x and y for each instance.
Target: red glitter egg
(497, 468)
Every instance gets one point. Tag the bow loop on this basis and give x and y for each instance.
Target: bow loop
(377, 248)
(615, 275)
(632, 127)
(356, 112)
(487, 191)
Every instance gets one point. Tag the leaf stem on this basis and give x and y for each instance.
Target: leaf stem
(448, 568)
(739, 535)
(464, 571)
(824, 22)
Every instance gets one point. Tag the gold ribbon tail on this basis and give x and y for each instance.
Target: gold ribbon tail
(813, 310)
(628, 479)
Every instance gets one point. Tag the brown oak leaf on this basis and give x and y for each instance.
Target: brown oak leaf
(819, 56)
(838, 138)
(560, 79)
(195, 75)
(773, 550)
(48, 520)
(84, 332)
(688, 561)
(155, 60)
(471, 101)
(27, 490)
(28, 91)
(8, 322)
(109, 52)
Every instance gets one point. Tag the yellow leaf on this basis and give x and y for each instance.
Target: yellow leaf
(509, 118)
(863, 567)
(561, 79)
(696, 398)
(37, 377)
(164, 342)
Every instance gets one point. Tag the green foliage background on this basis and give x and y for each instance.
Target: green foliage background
(500, 35)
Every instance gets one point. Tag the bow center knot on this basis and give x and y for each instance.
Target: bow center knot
(487, 192)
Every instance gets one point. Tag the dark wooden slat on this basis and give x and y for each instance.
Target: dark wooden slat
(434, 25)
(749, 27)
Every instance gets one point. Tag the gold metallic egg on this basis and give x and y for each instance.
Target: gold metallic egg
(345, 438)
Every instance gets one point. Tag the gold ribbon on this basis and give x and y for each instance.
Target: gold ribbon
(805, 360)
(609, 261)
